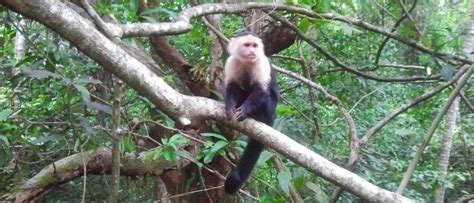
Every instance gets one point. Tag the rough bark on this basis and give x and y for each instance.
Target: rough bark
(451, 116)
(97, 162)
(278, 39)
(116, 136)
(446, 144)
(216, 51)
(20, 39)
(172, 58)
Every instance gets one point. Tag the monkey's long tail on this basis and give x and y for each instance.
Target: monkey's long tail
(241, 173)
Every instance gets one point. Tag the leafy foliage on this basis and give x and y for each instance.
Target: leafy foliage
(55, 101)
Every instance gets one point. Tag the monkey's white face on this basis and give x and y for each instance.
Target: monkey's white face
(246, 55)
(247, 48)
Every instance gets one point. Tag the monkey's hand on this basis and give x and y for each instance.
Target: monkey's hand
(234, 114)
(230, 113)
(239, 114)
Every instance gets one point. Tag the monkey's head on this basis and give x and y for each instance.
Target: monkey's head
(246, 47)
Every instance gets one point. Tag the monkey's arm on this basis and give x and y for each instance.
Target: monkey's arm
(231, 92)
(255, 100)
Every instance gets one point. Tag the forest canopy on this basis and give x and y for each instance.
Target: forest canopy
(124, 101)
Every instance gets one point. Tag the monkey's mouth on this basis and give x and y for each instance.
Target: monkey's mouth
(251, 56)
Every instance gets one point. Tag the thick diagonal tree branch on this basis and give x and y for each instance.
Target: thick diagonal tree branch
(114, 59)
(97, 161)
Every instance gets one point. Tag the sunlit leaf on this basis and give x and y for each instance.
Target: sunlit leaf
(264, 157)
(219, 145)
(208, 157)
(304, 25)
(169, 154)
(178, 139)
(347, 29)
(5, 114)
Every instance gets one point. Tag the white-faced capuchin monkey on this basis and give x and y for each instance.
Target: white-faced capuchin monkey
(251, 91)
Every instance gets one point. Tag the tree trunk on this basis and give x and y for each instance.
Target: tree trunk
(451, 116)
(443, 161)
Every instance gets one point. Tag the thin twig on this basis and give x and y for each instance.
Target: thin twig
(339, 62)
(411, 167)
(407, 105)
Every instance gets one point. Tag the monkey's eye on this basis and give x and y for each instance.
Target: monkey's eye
(255, 45)
(247, 44)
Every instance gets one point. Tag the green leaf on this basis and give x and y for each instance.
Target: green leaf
(219, 145)
(5, 114)
(208, 144)
(188, 156)
(407, 30)
(157, 154)
(264, 157)
(5, 140)
(40, 74)
(4, 156)
(25, 60)
(165, 141)
(208, 157)
(304, 25)
(133, 6)
(169, 154)
(284, 178)
(215, 135)
(127, 145)
(425, 40)
(364, 4)
(167, 119)
(347, 29)
(315, 188)
(85, 93)
(177, 140)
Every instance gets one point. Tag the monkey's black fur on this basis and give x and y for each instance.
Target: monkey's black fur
(260, 105)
